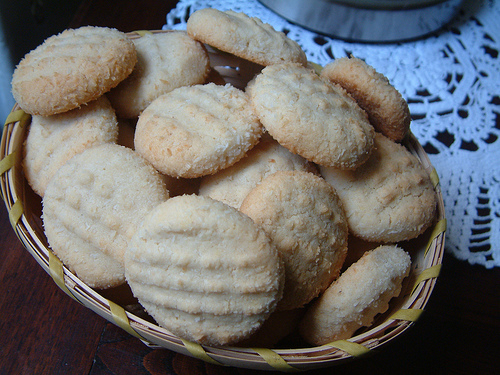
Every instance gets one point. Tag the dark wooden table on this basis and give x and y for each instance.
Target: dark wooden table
(42, 331)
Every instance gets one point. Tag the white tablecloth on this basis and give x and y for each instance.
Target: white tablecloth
(451, 81)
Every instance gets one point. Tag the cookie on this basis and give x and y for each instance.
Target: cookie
(390, 198)
(244, 36)
(165, 61)
(197, 130)
(92, 207)
(72, 68)
(203, 270)
(387, 110)
(232, 185)
(53, 140)
(311, 117)
(304, 218)
(361, 292)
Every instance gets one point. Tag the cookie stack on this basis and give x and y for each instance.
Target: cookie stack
(229, 211)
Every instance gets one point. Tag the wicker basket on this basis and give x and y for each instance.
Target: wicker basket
(24, 208)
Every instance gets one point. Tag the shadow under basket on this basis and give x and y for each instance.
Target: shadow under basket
(118, 306)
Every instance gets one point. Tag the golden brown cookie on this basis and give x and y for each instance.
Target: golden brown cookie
(204, 271)
(232, 185)
(244, 36)
(72, 68)
(165, 61)
(53, 140)
(311, 117)
(92, 207)
(304, 218)
(387, 110)
(361, 292)
(197, 130)
(390, 198)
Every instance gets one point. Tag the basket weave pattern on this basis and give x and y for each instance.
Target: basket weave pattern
(24, 209)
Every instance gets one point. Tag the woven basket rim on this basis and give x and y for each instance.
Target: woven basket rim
(14, 190)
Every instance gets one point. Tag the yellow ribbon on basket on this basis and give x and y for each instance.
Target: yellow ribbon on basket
(6, 164)
(274, 360)
(197, 351)
(434, 178)
(16, 210)
(15, 213)
(316, 67)
(429, 273)
(141, 33)
(17, 115)
(410, 315)
(439, 228)
(9, 160)
(350, 347)
(121, 319)
(56, 270)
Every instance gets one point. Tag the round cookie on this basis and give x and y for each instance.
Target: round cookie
(361, 292)
(53, 140)
(197, 130)
(174, 185)
(311, 117)
(244, 36)
(72, 68)
(232, 185)
(204, 271)
(390, 198)
(165, 61)
(304, 218)
(387, 110)
(92, 207)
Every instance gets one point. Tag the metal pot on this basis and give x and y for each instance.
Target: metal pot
(368, 20)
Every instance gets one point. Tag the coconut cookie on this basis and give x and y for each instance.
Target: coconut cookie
(92, 207)
(387, 110)
(244, 36)
(197, 130)
(361, 292)
(72, 68)
(390, 198)
(53, 140)
(304, 218)
(311, 117)
(232, 185)
(165, 61)
(204, 271)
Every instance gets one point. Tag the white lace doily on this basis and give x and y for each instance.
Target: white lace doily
(451, 81)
